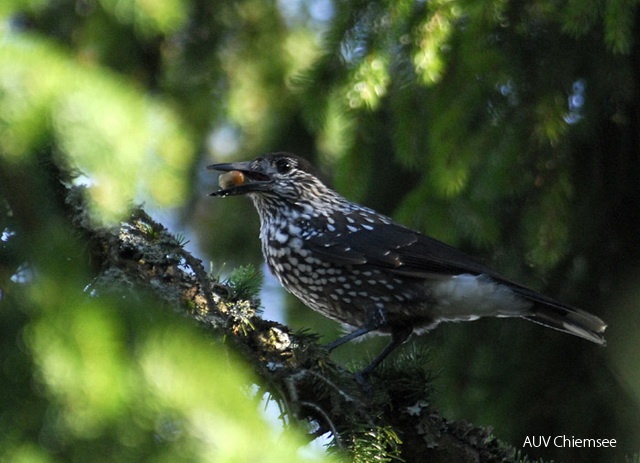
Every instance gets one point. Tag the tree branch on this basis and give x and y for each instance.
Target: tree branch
(396, 420)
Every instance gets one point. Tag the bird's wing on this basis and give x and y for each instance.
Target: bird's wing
(402, 251)
(396, 249)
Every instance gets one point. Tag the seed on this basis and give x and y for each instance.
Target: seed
(231, 179)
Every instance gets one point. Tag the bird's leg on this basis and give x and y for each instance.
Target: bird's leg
(398, 336)
(375, 320)
(351, 336)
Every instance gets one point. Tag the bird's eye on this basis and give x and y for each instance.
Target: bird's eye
(284, 165)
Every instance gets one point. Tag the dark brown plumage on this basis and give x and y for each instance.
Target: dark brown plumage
(364, 270)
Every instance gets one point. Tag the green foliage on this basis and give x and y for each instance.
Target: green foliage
(90, 377)
(578, 18)
(377, 445)
(48, 96)
(150, 18)
(116, 395)
(409, 370)
(246, 282)
(181, 239)
(118, 380)
(506, 128)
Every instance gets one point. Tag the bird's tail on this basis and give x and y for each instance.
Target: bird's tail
(570, 320)
(554, 314)
(562, 317)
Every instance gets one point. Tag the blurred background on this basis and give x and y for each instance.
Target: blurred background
(508, 129)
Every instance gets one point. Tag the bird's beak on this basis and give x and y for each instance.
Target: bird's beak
(240, 178)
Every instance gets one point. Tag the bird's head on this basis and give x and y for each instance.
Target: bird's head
(277, 176)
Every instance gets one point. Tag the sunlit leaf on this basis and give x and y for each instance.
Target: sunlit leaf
(150, 16)
(126, 142)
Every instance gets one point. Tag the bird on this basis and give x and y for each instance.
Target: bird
(370, 273)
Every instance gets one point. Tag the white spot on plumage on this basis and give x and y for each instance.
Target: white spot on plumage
(294, 230)
(295, 244)
(280, 237)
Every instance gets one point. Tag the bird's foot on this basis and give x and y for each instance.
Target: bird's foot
(363, 378)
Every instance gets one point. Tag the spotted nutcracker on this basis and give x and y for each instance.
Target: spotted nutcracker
(370, 273)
